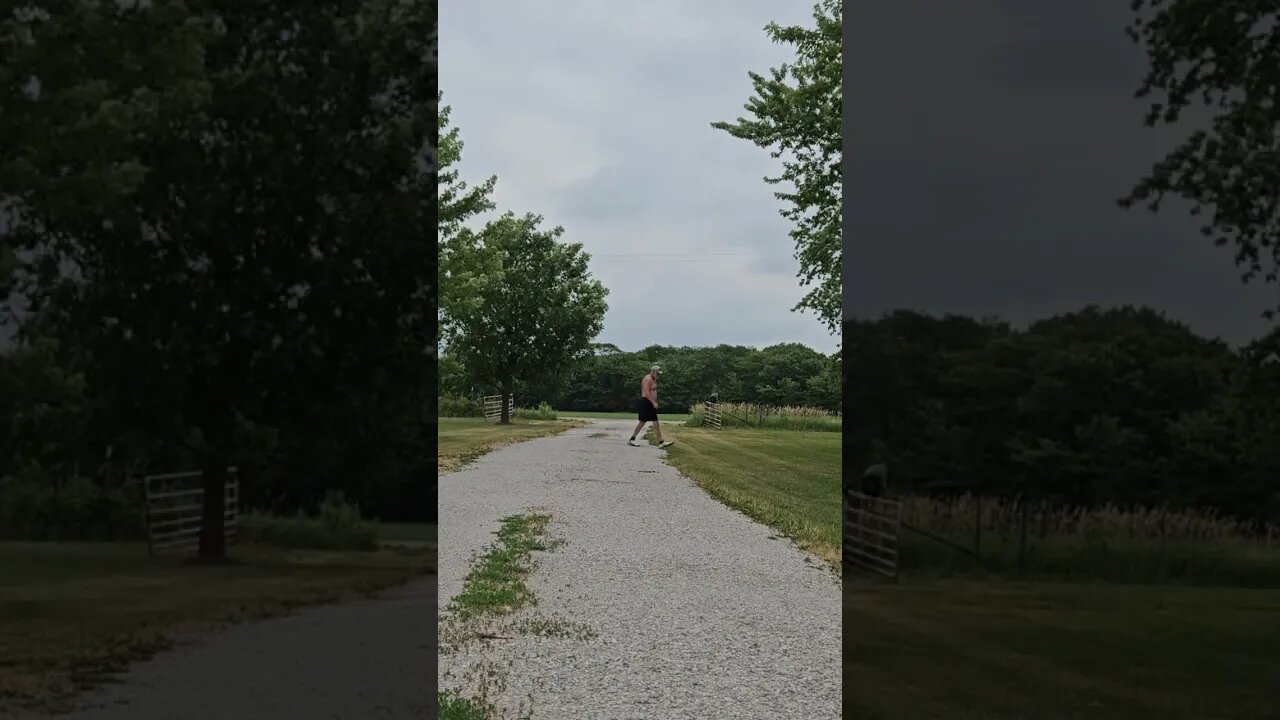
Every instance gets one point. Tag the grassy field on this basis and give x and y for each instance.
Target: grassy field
(785, 479)
(462, 440)
(1006, 650)
(72, 612)
(407, 535)
(628, 415)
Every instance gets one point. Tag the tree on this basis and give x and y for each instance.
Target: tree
(225, 205)
(797, 116)
(535, 316)
(461, 261)
(1225, 55)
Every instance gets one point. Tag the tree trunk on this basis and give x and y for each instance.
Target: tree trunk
(505, 395)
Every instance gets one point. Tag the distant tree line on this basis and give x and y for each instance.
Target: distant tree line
(608, 379)
(1099, 406)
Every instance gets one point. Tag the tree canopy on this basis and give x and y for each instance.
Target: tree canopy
(532, 317)
(1120, 406)
(225, 209)
(1223, 57)
(796, 114)
(462, 261)
(608, 379)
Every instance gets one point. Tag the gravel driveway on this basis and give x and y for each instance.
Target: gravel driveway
(694, 610)
(368, 660)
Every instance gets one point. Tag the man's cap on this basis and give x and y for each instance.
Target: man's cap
(655, 368)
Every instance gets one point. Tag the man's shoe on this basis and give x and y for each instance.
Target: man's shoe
(633, 443)
(667, 443)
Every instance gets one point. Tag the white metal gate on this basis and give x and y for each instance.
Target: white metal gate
(493, 407)
(713, 417)
(871, 530)
(175, 504)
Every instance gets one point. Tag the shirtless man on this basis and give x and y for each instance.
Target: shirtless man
(649, 408)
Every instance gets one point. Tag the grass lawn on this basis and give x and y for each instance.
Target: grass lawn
(70, 613)
(407, 534)
(629, 415)
(462, 440)
(785, 479)
(1005, 649)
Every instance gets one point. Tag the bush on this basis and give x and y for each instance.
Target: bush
(337, 526)
(35, 507)
(459, 407)
(542, 412)
(765, 417)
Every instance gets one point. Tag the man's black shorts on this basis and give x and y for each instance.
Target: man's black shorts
(648, 413)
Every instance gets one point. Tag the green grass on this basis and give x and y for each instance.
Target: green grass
(407, 534)
(462, 440)
(627, 415)
(970, 650)
(495, 585)
(333, 529)
(785, 479)
(71, 613)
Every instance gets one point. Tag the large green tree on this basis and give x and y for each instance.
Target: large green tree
(532, 318)
(1223, 57)
(226, 205)
(796, 114)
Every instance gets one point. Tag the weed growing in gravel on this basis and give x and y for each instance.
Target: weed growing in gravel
(494, 590)
(455, 707)
(488, 680)
(555, 627)
(495, 585)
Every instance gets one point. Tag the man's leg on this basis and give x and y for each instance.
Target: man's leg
(636, 432)
(658, 431)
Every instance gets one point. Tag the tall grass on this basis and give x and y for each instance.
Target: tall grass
(459, 407)
(39, 506)
(767, 417)
(542, 412)
(336, 526)
(1108, 542)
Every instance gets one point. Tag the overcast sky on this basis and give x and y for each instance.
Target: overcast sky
(597, 116)
(985, 145)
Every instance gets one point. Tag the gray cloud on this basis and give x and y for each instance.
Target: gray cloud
(598, 116)
(1069, 46)
(985, 152)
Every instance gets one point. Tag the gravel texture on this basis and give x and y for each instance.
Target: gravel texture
(693, 610)
(367, 660)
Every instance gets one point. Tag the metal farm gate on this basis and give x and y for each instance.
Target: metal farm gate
(493, 407)
(175, 507)
(713, 417)
(871, 529)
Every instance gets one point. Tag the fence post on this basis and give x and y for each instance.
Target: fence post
(1022, 533)
(977, 525)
